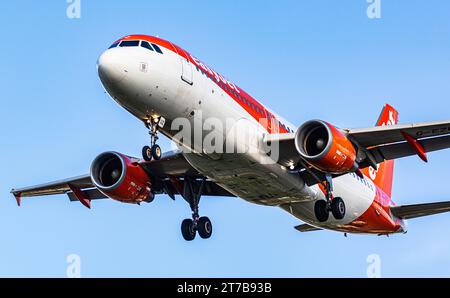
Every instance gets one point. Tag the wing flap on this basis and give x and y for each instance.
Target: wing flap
(419, 210)
(90, 194)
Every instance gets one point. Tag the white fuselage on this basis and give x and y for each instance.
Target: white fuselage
(147, 83)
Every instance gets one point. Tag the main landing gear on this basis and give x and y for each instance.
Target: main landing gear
(335, 205)
(153, 151)
(202, 225)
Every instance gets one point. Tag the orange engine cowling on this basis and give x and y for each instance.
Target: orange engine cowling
(119, 178)
(325, 147)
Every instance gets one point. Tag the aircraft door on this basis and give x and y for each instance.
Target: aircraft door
(186, 68)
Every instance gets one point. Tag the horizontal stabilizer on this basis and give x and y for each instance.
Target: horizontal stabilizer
(306, 228)
(419, 210)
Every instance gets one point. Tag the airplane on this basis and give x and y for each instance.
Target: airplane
(330, 178)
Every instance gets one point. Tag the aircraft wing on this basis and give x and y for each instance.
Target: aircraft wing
(396, 141)
(171, 165)
(419, 210)
(378, 143)
(55, 187)
(378, 135)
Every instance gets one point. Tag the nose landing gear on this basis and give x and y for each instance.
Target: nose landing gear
(153, 151)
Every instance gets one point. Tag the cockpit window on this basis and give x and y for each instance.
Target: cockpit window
(157, 49)
(146, 45)
(129, 43)
(136, 43)
(114, 45)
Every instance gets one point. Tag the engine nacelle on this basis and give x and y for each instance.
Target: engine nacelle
(119, 178)
(325, 147)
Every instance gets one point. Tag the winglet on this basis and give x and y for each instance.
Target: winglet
(81, 196)
(17, 195)
(416, 146)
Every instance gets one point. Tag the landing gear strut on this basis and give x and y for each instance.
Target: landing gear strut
(153, 151)
(202, 225)
(335, 205)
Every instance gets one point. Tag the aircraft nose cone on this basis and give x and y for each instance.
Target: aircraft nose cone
(110, 67)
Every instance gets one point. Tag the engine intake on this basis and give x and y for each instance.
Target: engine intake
(119, 178)
(325, 147)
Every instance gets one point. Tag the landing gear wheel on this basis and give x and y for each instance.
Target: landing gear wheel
(192, 193)
(156, 152)
(147, 153)
(204, 227)
(153, 152)
(188, 230)
(321, 211)
(338, 208)
(150, 198)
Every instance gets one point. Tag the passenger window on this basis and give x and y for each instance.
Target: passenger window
(129, 43)
(157, 49)
(146, 45)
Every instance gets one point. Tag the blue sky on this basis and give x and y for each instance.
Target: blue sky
(304, 59)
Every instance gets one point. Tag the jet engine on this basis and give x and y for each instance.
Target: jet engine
(121, 179)
(325, 147)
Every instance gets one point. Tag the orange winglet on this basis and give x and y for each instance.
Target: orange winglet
(81, 196)
(18, 198)
(420, 151)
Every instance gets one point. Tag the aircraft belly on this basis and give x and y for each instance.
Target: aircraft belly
(256, 183)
